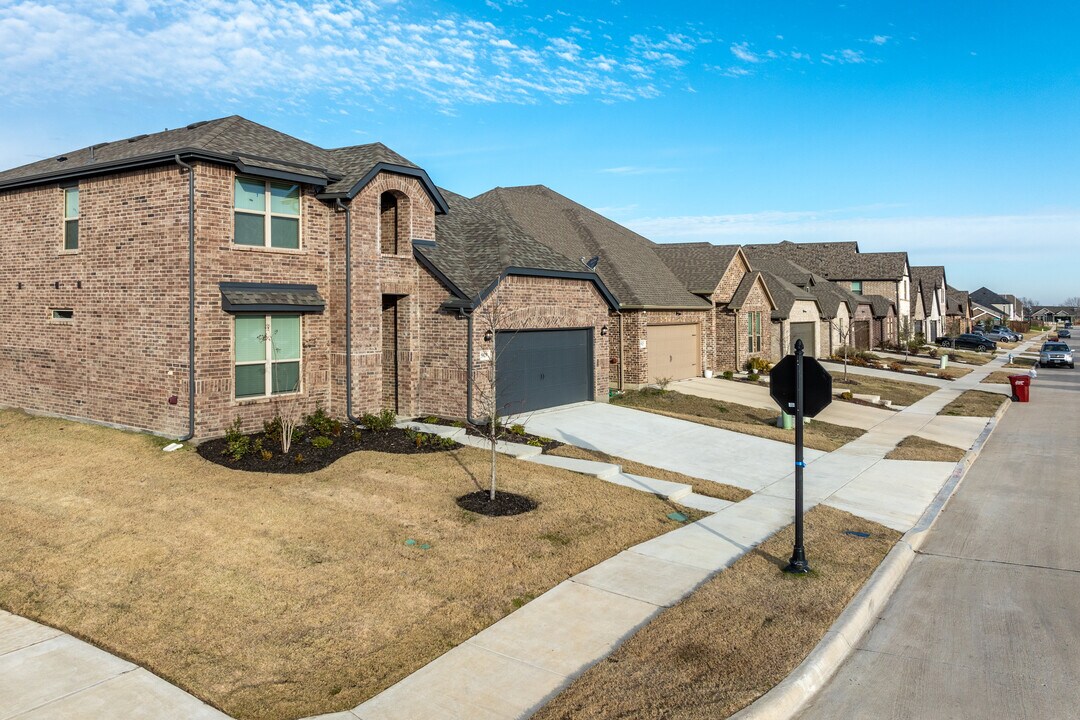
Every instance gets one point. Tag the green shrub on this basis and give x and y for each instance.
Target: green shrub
(753, 377)
(431, 420)
(517, 429)
(382, 422)
(729, 375)
(322, 442)
(322, 423)
(357, 436)
(237, 444)
(757, 365)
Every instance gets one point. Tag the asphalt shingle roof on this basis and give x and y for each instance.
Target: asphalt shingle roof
(232, 137)
(929, 277)
(784, 294)
(838, 260)
(957, 301)
(987, 297)
(699, 265)
(629, 264)
(879, 305)
(477, 242)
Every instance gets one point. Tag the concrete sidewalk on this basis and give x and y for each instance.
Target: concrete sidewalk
(839, 412)
(47, 675)
(838, 367)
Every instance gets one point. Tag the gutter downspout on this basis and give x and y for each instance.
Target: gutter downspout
(469, 368)
(736, 341)
(622, 346)
(191, 298)
(348, 310)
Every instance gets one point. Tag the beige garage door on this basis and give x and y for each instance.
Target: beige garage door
(674, 352)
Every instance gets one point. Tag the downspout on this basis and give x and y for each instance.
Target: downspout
(622, 341)
(191, 298)
(348, 310)
(469, 367)
(737, 341)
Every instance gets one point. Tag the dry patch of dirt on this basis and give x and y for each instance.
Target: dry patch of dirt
(914, 447)
(975, 403)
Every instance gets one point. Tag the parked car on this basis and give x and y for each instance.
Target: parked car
(1064, 332)
(1013, 335)
(1055, 353)
(998, 336)
(968, 341)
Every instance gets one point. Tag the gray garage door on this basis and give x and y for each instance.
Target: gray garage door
(538, 369)
(806, 332)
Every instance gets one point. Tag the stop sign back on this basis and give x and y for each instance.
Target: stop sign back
(817, 386)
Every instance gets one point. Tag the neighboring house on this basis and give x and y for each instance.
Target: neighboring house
(918, 314)
(887, 274)
(1018, 311)
(740, 325)
(883, 327)
(989, 299)
(317, 280)
(795, 316)
(957, 311)
(931, 281)
(1055, 314)
(985, 314)
(662, 329)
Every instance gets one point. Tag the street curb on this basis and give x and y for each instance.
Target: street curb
(792, 694)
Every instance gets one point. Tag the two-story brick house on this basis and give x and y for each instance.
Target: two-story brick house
(175, 281)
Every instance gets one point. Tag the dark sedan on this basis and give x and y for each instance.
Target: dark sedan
(968, 341)
(1064, 332)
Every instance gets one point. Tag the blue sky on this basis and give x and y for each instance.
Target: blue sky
(949, 130)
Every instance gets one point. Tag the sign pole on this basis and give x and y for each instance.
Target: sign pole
(798, 563)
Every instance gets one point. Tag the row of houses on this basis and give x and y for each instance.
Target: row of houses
(175, 281)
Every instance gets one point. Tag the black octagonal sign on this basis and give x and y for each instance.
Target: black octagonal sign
(817, 386)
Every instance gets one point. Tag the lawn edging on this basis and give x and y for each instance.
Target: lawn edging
(791, 695)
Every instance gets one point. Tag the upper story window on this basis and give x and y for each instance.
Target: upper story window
(393, 221)
(71, 218)
(856, 287)
(267, 214)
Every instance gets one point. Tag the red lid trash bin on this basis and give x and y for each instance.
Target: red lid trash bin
(1021, 386)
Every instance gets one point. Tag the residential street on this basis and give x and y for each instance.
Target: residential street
(985, 624)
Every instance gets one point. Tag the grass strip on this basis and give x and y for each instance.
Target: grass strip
(738, 635)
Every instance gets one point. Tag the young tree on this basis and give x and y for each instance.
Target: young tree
(489, 318)
(845, 337)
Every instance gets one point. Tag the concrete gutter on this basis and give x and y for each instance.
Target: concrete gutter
(791, 695)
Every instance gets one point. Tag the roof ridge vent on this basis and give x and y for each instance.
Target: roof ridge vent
(199, 124)
(137, 138)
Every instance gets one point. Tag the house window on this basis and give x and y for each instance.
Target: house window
(856, 287)
(267, 214)
(753, 331)
(71, 218)
(58, 314)
(267, 355)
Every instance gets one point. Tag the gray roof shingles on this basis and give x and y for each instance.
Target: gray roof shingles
(839, 260)
(629, 264)
(699, 265)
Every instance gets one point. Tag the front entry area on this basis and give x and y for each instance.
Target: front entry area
(537, 369)
(805, 331)
(674, 351)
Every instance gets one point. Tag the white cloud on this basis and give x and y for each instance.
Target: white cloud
(744, 53)
(282, 51)
(879, 40)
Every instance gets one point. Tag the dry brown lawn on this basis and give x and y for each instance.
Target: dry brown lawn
(281, 596)
(998, 377)
(975, 403)
(898, 391)
(701, 486)
(735, 417)
(1021, 362)
(914, 447)
(971, 358)
(735, 637)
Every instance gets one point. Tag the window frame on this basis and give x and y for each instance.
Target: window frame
(855, 291)
(268, 214)
(753, 331)
(66, 219)
(55, 317)
(268, 361)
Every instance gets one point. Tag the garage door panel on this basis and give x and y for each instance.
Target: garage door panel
(538, 369)
(674, 351)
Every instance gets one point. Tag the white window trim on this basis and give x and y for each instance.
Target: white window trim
(53, 318)
(268, 215)
(269, 361)
(65, 219)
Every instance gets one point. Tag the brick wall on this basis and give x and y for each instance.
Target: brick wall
(732, 349)
(635, 330)
(519, 303)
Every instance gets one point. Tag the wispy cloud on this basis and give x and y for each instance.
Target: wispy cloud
(356, 50)
(744, 53)
(878, 40)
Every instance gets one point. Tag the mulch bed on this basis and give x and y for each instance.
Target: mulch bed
(546, 444)
(504, 504)
(304, 457)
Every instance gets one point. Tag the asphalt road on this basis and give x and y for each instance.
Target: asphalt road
(986, 623)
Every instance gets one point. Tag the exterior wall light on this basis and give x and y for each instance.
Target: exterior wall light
(603, 331)
(487, 336)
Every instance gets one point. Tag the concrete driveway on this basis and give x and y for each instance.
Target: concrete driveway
(687, 447)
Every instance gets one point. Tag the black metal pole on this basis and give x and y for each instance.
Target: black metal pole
(798, 563)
